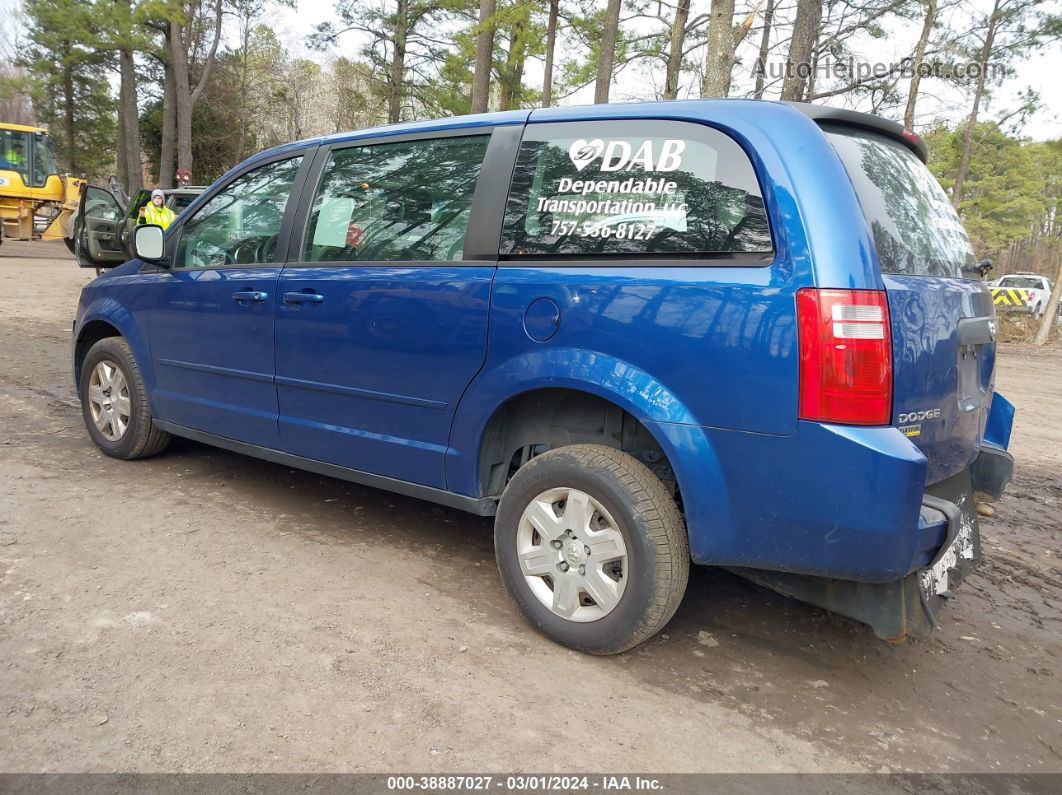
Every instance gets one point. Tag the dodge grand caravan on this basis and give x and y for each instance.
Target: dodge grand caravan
(738, 333)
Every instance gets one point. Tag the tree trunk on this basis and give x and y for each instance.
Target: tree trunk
(513, 73)
(129, 127)
(674, 53)
(69, 130)
(720, 62)
(169, 126)
(186, 96)
(798, 64)
(182, 96)
(1051, 313)
(484, 57)
(765, 46)
(398, 63)
(607, 55)
(551, 46)
(809, 84)
(245, 110)
(919, 59)
(971, 123)
(121, 163)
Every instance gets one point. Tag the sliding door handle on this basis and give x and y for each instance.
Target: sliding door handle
(252, 296)
(308, 297)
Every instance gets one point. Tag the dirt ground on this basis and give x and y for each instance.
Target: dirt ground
(203, 611)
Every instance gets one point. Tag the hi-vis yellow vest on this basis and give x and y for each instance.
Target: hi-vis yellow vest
(163, 216)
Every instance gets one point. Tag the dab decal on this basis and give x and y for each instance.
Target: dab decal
(619, 155)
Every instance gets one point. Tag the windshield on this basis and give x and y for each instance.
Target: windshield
(916, 230)
(1025, 282)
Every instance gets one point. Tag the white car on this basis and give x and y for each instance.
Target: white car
(1022, 292)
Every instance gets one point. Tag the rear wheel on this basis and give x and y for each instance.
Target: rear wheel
(591, 548)
(114, 402)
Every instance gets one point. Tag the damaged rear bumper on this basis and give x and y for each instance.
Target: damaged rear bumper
(909, 606)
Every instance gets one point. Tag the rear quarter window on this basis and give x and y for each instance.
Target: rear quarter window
(632, 187)
(916, 230)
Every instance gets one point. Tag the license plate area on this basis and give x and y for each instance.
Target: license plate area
(973, 334)
(958, 557)
(953, 564)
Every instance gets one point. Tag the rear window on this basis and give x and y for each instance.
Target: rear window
(1027, 282)
(916, 230)
(632, 187)
(180, 201)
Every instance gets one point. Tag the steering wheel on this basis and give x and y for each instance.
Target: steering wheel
(209, 255)
(246, 253)
(255, 250)
(267, 249)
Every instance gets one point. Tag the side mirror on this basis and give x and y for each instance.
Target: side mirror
(148, 243)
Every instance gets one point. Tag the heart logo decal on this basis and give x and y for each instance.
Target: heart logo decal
(583, 152)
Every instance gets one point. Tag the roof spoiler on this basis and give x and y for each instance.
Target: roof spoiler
(823, 114)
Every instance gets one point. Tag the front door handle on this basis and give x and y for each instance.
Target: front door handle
(308, 297)
(254, 296)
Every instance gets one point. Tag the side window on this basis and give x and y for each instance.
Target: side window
(632, 187)
(43, 160)
(240, 225)
(100, 204)
(401, 201)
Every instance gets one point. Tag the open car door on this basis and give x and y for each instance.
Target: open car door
(98, 229)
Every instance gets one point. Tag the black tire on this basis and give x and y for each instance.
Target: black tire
(647, 518)
(141, 438)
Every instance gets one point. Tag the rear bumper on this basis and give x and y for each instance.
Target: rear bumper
(826, 500)
(949, 548)
(907, 606)
(839, 516)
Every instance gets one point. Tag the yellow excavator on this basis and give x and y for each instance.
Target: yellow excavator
(36, 201)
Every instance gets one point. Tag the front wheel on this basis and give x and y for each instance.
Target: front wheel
(114, 402)
(591, 548)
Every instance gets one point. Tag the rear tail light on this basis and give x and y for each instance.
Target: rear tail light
(845, 356)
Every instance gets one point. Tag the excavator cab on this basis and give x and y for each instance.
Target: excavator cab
(27, 163)
(35, 199)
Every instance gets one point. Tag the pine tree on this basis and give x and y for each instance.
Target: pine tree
(69, 83)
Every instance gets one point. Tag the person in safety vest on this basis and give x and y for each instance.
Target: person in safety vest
(155, 212)
(16, 156)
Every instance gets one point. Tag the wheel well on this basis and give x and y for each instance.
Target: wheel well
(534, 422)
(90, 335)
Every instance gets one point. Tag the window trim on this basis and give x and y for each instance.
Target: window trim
(484, 221)
(722, 259)
(738, 259)
(307, 153)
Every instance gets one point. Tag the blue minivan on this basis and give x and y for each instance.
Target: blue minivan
(739, 333)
